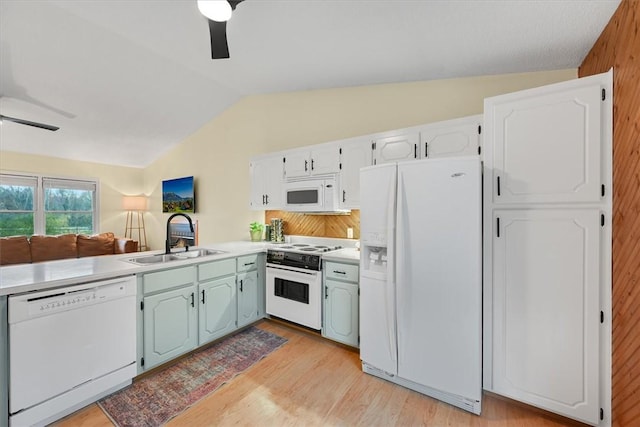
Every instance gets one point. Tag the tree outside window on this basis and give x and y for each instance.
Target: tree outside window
(42, 205)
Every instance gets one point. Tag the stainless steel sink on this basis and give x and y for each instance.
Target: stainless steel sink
(153, 259)
(178, 256)
(197, 253)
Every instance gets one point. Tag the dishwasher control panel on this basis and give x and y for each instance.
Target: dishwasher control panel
(55, 303)
(27, 306)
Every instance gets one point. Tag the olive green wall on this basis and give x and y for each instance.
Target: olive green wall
(115, 181)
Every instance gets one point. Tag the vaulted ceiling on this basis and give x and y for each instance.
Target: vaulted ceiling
(128, 80)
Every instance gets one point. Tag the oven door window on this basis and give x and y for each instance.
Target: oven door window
(294, 291)
(303, 197)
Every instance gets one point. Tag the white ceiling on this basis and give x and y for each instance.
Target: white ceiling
(127, 80)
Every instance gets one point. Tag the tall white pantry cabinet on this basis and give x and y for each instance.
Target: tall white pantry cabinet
(547, 247)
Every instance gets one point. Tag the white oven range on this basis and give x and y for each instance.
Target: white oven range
(294, 283)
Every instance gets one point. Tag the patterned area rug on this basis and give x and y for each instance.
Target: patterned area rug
(154, 400)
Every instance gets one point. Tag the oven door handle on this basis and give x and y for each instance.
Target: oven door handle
(292, 270)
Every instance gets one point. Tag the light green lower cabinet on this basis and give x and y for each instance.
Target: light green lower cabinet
(247, 298)
(170, 325)
(186, 307)
(218, 309)
(341, 312)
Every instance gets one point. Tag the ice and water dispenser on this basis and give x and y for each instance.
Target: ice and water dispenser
(374, 254)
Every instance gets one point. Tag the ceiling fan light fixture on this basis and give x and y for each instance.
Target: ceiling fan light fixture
(215, 10)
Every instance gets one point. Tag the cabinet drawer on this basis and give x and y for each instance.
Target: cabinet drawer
(214, 269)
(167, 279)
(247, 262)
(336, 270)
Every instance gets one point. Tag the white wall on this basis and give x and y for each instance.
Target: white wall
(218, 154)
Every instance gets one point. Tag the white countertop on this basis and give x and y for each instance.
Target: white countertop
(51, 274)
(350, 255)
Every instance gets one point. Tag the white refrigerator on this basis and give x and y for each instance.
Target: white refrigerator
(421, 277)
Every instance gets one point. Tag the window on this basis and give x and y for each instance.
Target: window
(17, 209)
(45, 205)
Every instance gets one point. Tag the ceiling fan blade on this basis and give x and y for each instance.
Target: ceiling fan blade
(29, 123)
(218, 32)
(219, 46)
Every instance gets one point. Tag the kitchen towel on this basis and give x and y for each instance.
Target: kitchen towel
(157, 398)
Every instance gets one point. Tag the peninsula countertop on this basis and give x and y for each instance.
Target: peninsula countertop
(52, 274)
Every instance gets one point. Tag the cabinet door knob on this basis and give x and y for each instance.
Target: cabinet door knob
(240, 285)
(311, 164)
(344, 196)
(203, 296)
(193, 299)
(305, 165)
(266, 198)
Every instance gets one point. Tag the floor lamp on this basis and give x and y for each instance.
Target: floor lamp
(135, 207)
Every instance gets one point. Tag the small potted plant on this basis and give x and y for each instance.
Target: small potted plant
(255, 230)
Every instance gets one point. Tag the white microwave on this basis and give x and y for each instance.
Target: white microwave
(312, 195)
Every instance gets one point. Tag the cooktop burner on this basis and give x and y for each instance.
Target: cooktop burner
(307, 256)
(305, 248)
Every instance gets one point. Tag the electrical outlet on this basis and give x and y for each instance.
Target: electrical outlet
(349, 233)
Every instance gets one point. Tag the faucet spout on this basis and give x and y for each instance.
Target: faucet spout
(167, 244)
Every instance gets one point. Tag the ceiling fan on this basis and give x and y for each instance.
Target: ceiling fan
(218, 13)
(28, 123)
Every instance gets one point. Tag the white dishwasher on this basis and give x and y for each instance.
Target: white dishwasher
(69, 347)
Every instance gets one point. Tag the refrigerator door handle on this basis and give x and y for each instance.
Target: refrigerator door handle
(401, 254)
(390, 300)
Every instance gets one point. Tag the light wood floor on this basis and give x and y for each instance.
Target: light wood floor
(312, 381)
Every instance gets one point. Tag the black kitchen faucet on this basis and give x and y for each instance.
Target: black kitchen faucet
(167, 246)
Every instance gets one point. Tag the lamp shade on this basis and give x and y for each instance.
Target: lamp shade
(134, 203)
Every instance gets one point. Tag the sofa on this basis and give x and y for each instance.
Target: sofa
(38, 248)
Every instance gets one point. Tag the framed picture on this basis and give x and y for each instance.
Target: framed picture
(178, 195)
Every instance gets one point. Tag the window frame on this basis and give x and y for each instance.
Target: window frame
(39, 213)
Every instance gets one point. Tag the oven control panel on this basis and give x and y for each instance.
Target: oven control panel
(294, 259)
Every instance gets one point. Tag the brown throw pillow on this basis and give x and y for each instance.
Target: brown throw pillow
(98, 244)
(48, 248)
(14, 250)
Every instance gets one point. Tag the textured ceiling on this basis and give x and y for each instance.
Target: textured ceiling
(127, 80)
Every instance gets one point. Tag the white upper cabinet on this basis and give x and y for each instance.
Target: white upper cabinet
(354, 154)
(545, 149)
(320, 160)
(297, 164)
(266, 182)
(458, 137)
(395, 148)
(325, 160)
